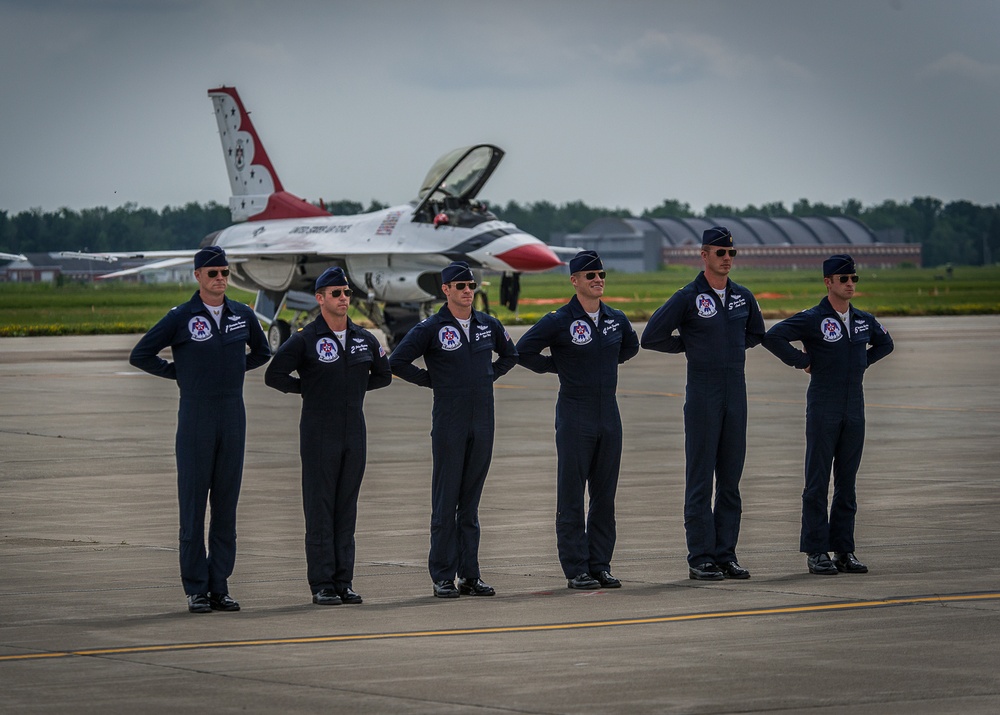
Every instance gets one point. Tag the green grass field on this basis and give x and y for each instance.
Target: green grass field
(113, 307)
(900, 291)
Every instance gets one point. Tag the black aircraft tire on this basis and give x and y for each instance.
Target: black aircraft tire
(277, 334)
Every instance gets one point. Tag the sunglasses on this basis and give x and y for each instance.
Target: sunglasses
(213, 273)
(461, 286)
(852, 279)
(335, 293)
(595, 274)
(720, 252)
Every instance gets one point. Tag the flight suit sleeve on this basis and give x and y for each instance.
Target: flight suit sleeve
(881, 344)
(380, 374)
(260, 352)
(409, 349)
(146, 353)
(778, 340)
(279, 373)
(658, 334)
(531, 344)
(755, 326)
(630, 343)
(505, 349)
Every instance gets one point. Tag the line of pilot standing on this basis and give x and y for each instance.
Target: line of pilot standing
(712, 320)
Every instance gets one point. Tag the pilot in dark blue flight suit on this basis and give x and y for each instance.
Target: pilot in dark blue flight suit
(457, 344)
(840, 342)
(587, 342)
(337, 362)
(717, 321)
(208, 336)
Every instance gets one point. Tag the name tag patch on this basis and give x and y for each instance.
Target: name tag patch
(360, 346)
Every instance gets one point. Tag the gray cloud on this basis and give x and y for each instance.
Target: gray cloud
(960, 66)
(621, 104)
(658, 56)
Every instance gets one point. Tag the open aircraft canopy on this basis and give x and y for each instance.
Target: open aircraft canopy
(460, 174)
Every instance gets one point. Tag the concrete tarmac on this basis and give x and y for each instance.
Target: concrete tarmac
(93, 617)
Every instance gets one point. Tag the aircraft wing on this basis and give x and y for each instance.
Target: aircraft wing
(166, 263)
(565, 250)
(115, 256)
(235, 254)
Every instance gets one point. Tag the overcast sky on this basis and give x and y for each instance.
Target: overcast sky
(618, 104)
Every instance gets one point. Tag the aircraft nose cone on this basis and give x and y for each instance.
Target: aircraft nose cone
(532, 257)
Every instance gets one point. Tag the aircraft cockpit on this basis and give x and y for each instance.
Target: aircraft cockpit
(447, 195)
(453, 211)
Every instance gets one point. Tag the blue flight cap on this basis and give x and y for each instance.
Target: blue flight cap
(841, 263)
(718, 236)
(210, 256)
(585, 261)
(333, 276)
(457, 271)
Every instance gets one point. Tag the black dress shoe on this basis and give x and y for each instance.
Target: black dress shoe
(820, 564)
(222, 602)
(326, 597)
(475, 587)
(848, 563)
(198, 603)
(705, 572)
(347, 595)
(583, 582)
(606, 579)
(445, 589)
(732, 569)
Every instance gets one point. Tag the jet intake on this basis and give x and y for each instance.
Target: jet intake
(269, 274)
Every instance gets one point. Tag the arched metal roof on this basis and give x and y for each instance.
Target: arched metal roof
(857, 231)
(758, 230)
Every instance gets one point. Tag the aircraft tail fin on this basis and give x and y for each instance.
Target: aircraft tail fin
(257, 190)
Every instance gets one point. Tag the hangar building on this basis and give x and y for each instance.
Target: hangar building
(635, 245)
(51, 268)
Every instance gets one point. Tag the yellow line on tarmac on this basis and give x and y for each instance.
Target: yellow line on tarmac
(819, 608)
(874, 405)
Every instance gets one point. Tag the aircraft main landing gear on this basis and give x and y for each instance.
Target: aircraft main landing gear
(393, 320)
(481, 302)
(277, 334)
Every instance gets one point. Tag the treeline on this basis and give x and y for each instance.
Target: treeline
(127, 228)
(959, 232)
